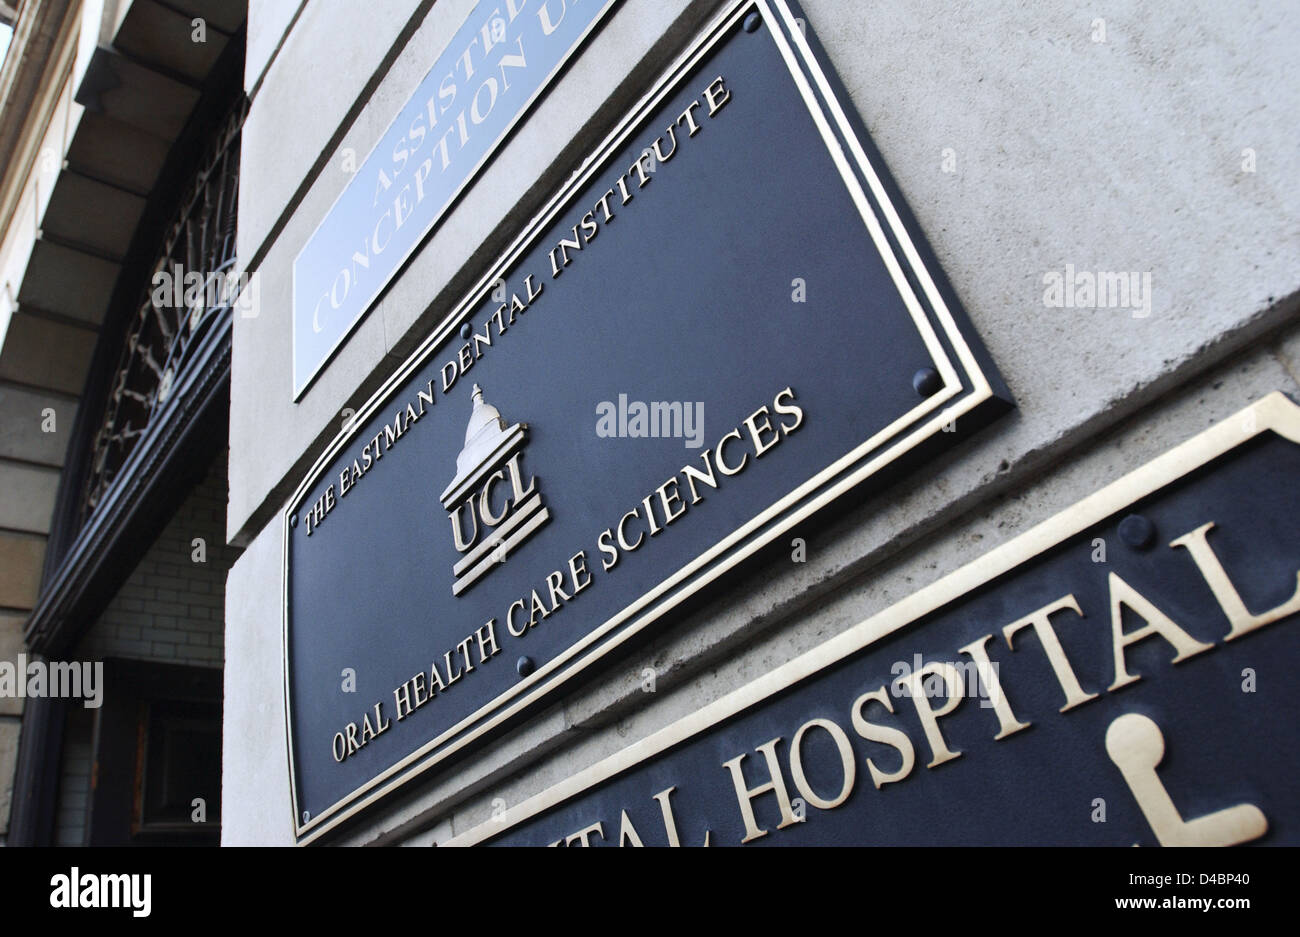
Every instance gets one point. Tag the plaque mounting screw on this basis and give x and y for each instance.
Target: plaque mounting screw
(927, 382)
(1137, 531)
(293, 520)
(752, 21)
(466, 330)
(524, 665)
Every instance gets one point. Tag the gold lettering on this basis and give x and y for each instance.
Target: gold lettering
(666, 809)
(711, 94)
(622, 539)
(693, 475)
(553, 583)
(462, 543)
(510, 617)
(1122, 594)
(435, 679)
(722, 466)
(687, 116)
(489, 641)
(1225, 593)
(755, 431)
(516, 480)
(667, 500)
(848, 764)
(746, 795)
(485, 497)
(402, 699)
(886, 735)
(627, 834)
(537, 606)
(929, 716)
(577, 570)
(1008, 724)
(1041, 622)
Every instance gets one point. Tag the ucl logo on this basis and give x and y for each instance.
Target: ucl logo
(492, 508)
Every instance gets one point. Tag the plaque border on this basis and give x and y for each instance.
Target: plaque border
(839, 132)
(1271, 413)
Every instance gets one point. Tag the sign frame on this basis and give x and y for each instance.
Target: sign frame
(970, 391)
(1272, 413)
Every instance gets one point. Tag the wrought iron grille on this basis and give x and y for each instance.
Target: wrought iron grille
(191, 289)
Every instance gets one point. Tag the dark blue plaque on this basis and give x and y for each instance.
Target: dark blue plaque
(726, 323)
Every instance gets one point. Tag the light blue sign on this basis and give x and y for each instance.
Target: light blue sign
(497, 64)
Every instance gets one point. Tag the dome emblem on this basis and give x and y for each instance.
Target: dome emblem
(492, 508)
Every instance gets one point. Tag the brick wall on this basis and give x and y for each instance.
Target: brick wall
(74, 779)
(170, 608)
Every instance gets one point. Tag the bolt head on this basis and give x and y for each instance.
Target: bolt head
(466, 330)
(1137, 531)
(927, 382)
(293, 520)
(752, 22)
(525, 666)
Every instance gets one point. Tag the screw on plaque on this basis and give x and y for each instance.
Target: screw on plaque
(293, 520)
(752, 22)
(524, 665)
(466, 330)
(1137, 531)
(927, 382)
